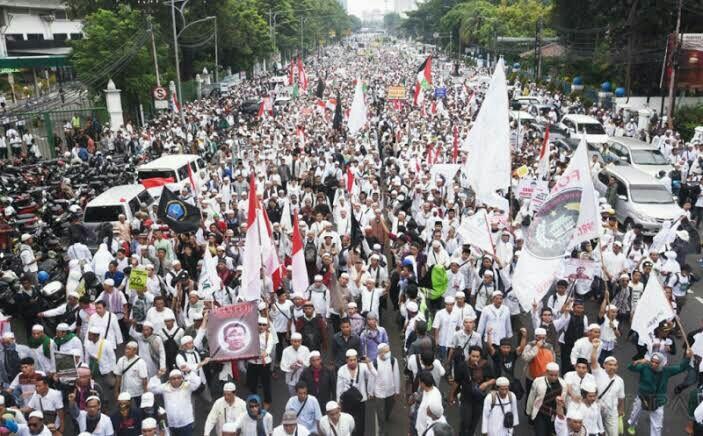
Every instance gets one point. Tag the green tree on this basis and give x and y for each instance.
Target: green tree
(244, 36)
(392, 22)
(111, 39)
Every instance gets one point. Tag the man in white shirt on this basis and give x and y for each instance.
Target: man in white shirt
(103, 427)
(131, 374)
(583, 347)
(100, 355)
(575, 380)
(159, 313)
(371, 297)
(352, 376)
(386, 385)
(225, 410)
(495, 317)
(430, 394)
(289, 426)
(444, 326)
(49, 402)
(295, 357)
(106, 324)
(177, 393)
(248, 423)
(336, 422)
(611, 392)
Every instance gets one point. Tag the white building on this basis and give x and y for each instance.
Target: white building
(36, 27)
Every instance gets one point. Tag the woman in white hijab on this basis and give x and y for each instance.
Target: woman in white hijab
(101, 261)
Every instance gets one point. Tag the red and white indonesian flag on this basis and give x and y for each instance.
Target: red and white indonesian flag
(652, 309)
(302, 77)
(266, 106)
(299, 281)
(357, 113)
(568, 217)
(259, 251)
(543, 164)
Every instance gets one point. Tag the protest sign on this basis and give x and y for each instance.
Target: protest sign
(137, 280)
(396, 92)
(232, 331)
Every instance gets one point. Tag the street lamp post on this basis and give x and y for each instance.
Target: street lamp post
(175, 55)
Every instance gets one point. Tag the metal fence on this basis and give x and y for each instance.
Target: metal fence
(48, 125)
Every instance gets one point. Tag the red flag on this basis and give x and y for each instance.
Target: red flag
(430, 155)
(455, 151)
(155, 182)
(302, 77)
(350, 180)
(291, 72)
(192, 180)
(299, 281)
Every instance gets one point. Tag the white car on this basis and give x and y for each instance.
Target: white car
(641, 199)
(577, 125)
(641, 155)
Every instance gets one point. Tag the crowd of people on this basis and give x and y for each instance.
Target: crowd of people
(374, 341)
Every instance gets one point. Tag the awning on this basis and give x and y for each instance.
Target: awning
(33, 61)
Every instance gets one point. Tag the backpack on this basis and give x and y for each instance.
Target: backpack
(83, 154)
(310, 252)
(352, 397)
(12, 363)
(311, 332)
(171, 347)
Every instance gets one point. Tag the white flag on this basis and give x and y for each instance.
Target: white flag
(652, 308)
(208, 281)
(476, 230)
(488, 143)
(357, 114)
(567, 218)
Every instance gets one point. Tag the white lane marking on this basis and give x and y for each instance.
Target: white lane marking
(700, 300)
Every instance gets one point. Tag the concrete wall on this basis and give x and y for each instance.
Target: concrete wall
(654, 103)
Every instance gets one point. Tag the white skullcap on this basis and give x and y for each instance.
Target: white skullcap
(502, 381)
(588, 386)
(593, 326)
(610, 359)
(351, 305)
(460, 294)
(496, 294)
(449, 300)
(37, 328)
(317, 278)
(124, 396)
(314, 353)
(262, 320)
(539, 331)
(148, 324)
(37, 414)
(411, 306)
(351, 353)
(552, 366)
(62, 327)
(262, 305)
(186, 339)
(574, 414)
(149, 423)
(296, 337)
(488, 273)
(435, 406)
(132, 344)
(229, 387)
(331, 405)
(175, 373)
(109, 282)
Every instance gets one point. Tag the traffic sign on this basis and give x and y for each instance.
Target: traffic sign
(160, 93)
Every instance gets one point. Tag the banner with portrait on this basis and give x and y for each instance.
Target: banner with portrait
(232, 331)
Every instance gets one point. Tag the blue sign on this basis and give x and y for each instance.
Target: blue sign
(440, 92)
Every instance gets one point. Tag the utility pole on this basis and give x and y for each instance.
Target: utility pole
(675, 66)
(175, 55)
(302, 19)
(540, 27)
(630, 43)
(153, 50)
(217, 75)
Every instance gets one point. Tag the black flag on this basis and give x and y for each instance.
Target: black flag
(337, 121)
(356, 235)
(180, 216)
(320, 88)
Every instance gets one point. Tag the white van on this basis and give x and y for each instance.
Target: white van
(108, 206)
(576, 125)
(174, 166)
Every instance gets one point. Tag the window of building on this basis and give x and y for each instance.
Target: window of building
(35, 37)
(12, 37)
(60, 36)
(75, 36)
